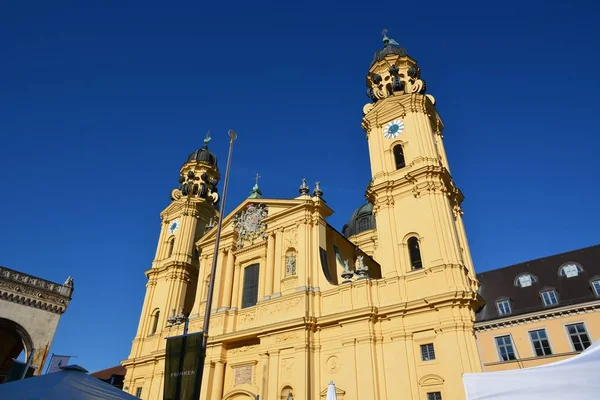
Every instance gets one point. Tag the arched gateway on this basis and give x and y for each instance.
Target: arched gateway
(30, 309)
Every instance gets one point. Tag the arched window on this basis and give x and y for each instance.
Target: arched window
(363, 224)
(399, 156)
(570, 270)
(414, 251)
(155, 318)
(525, 280)
(171, 245)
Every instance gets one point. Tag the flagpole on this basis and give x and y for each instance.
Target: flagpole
(211, 284)
(49, 363)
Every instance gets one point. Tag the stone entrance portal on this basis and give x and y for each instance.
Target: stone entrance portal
(30, 309)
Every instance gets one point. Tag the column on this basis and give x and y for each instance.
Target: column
(218, 280)
(270, 267)
(264, 386)
(279, 259)
(217, 386)
(273, 375)
(236, 287)
(228, 283)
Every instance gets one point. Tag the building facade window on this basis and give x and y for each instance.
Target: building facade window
(250, 291)
(155, 318)
(399, 156)
(414, 252)
(596, 287)
(579, 336)
(506, 350)
(427, 352)
(541, 344)
(138, 392)
(503, 307)
(434, 396)
(363, 224)
(570, 270)
(549, 297)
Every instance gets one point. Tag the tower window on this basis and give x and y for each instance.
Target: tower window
(155, 318)
(250, 291)
(434, 396)
(363, 224)
(399, 156)
(414, 251)
(171, 246)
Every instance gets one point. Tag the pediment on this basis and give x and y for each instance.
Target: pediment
(385, 111)
(278, 211)
(431, 379)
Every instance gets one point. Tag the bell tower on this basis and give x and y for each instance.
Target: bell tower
(416, 204)
(172, 280)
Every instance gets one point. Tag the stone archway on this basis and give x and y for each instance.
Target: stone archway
(13, 339)
(30, 309)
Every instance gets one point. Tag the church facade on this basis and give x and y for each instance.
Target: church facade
(385, 309)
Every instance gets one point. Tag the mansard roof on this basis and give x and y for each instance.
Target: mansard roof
(569, 274)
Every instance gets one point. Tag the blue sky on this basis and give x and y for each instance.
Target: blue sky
(101, 102)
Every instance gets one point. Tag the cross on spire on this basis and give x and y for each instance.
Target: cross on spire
(384, 32)
(256, 179)
(207, 138)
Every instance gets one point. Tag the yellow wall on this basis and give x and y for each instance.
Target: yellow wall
(518, 328)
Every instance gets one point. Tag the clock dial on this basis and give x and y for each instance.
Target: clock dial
(174, 226)
(393, 129)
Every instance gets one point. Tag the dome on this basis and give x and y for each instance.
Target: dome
(361, 220)
(203, 155)
(389, 49)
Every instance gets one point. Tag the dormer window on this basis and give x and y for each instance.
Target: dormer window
(596, 286)
(525, 280)
(549, 297)
(570, 270)
(503, 307)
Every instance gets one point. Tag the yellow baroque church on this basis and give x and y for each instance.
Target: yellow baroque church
(385, 309)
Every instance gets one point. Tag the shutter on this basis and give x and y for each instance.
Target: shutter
(250, 292)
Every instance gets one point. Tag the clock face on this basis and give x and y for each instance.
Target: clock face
(174, 226)
(393, 129)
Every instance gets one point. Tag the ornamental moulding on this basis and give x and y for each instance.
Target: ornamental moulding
(526, 319)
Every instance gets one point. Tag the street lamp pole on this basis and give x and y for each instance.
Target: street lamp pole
(211, 283)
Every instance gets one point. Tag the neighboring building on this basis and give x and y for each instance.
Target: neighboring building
(292, 310)
(539, 311)
(30, 309)
(113, 376)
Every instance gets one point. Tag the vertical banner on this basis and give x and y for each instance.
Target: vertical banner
(184, 358)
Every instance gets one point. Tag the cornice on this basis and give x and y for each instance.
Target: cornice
(31, 291)
(538, 316)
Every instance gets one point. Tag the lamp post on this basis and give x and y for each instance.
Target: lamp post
(211, 283)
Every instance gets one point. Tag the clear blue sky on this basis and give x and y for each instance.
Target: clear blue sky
(101, 102)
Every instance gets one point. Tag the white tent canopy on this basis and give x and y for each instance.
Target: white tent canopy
(71, 383)
(576, 377)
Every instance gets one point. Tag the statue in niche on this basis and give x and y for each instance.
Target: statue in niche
(290, 265)
(289, 396)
